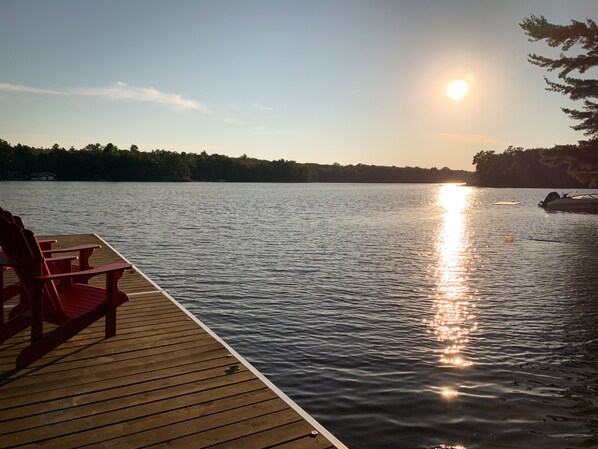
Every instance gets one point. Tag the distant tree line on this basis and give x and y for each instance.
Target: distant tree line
(516, 167)
(96, 162)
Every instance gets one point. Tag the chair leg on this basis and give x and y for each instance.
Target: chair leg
(112, 293)
(110, 330)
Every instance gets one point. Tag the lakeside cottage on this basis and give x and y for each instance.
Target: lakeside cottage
(43, 176)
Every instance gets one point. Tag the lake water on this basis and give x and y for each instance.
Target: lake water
(396, 315)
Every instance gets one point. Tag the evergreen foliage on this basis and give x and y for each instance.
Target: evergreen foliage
(579, 53)
(584, 35)
(95, 162)
(516, 167)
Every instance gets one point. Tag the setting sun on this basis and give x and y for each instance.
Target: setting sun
(457, 89)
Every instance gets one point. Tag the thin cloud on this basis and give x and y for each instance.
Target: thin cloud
(479, 138)
(6, 87)
(261, 107)
(118, 91)
(232, 120)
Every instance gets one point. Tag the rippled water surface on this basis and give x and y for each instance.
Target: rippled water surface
(397, 315)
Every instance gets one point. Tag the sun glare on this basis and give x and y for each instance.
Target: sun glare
(454, 312)
(457, 89)
(449, 393)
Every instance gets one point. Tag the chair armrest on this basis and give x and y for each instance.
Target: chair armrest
(71, 249)
(120, 266)
(46, 244)
(60, 258)
(85, 252)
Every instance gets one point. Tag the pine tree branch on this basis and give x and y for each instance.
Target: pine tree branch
(585, 34)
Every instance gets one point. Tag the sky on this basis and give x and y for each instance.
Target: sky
(320, 81)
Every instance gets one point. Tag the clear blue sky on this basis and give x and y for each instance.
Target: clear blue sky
(311, 81)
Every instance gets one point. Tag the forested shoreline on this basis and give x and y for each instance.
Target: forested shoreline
(97, 162)
(515, 167)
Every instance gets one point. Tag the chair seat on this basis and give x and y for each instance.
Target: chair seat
(79, 299)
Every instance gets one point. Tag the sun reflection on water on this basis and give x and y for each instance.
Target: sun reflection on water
(454, 318)
(449, 393)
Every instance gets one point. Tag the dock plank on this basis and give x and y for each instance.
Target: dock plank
(125, 422)
(226, 427)
(162, 381)
(283, 436)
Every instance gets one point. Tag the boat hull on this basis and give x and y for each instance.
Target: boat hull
(573, 205)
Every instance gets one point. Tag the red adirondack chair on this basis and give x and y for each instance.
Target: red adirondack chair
(70, 305)
(59, 264)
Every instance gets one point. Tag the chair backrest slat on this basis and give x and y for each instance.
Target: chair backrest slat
(21, 246)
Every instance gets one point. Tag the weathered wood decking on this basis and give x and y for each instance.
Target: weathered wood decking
(162, 381)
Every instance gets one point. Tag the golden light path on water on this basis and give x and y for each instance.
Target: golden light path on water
(454, 318)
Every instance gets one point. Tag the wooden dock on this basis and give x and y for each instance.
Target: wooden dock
(165, 380)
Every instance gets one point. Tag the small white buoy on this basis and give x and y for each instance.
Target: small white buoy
(506, 203)
(509, 239)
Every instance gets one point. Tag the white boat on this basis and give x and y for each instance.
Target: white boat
(583, 202)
